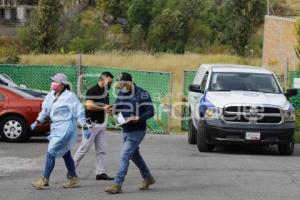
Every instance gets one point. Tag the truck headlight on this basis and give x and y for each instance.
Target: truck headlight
(213, 113)
(289, 115)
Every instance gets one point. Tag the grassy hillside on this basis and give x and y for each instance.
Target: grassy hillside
(294, 4)
(286, 7)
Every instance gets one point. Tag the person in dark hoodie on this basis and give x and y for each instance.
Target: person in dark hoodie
(136, 107)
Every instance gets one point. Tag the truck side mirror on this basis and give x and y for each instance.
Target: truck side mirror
(291, 93)
(196, 88)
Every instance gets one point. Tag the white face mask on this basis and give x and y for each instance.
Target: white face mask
(124, 90)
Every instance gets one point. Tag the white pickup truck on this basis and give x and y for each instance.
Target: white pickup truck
(235, 104)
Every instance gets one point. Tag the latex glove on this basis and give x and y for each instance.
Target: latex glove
(34, 125)
(87, 133)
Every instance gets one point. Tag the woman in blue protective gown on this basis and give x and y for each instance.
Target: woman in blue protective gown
(63, 110)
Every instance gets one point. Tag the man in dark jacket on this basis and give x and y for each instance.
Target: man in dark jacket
(136, 107)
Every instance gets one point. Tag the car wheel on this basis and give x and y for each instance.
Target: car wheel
(192, 133)
(286, 149)
(202, 144)
(14, 129)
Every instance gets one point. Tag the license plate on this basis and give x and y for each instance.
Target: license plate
(253, 136)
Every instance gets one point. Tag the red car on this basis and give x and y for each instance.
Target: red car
(19, 108)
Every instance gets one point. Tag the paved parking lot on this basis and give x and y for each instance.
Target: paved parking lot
(239, 173)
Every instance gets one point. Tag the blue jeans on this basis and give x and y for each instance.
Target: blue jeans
(130, 151)
(50, 163)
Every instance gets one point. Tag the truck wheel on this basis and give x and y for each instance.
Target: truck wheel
(192, 133)
(202, 139)
(14, 129)
(286, 149)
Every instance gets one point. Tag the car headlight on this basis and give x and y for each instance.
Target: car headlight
(289, 115)
(213, 113)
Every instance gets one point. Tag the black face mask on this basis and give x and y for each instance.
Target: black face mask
(108, 86)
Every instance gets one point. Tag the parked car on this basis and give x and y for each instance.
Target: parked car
(234, 104)
(18, 110)
(6, 80)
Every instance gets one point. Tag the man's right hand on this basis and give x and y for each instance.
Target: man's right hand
(108, 109)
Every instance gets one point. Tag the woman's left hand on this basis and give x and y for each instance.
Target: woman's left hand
(87, 133)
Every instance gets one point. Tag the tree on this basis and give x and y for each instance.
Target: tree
(27, 34)
(239, 21)
(167, 32)
(116, 8)
(47, 25)
(139, 13)
(82, 34)
(137, 37)
(201, 36)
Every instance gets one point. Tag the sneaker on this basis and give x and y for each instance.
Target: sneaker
(146, 183)
(41, 183)
(113, 189)
(72, 182)
(103, 177)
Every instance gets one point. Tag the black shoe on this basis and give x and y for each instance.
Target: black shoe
(103, 177)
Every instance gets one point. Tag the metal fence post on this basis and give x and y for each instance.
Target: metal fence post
(170, 102)
(286, 75)
(79, 72)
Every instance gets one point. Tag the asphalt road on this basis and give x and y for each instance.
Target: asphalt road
(239, 173)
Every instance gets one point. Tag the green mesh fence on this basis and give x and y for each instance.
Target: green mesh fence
(158, 84)
(37, 76)
(188, 80)
(295, 100)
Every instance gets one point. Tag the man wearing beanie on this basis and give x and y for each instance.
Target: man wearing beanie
(134, 104)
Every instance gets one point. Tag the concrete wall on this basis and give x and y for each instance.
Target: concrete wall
(279, 43)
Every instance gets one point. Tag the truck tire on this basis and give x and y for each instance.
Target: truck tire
(202, 144)
(14, 129)
(286, 149)
(192, 133)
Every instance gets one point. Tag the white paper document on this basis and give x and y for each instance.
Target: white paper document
(121, 120)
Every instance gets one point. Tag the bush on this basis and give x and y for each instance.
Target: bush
(139, 13)
(9, 55)
(79, 45)
(25, 38)
(137, 37)
(82, 34)
(200, 36)
(255, 48)
(167, 32)
(239, 20)
(218, 48)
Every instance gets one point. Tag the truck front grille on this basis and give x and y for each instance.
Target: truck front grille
(252, 114)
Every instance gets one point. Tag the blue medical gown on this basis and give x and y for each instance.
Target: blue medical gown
(64, 114)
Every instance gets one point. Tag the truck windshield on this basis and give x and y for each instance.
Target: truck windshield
(228, 81)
